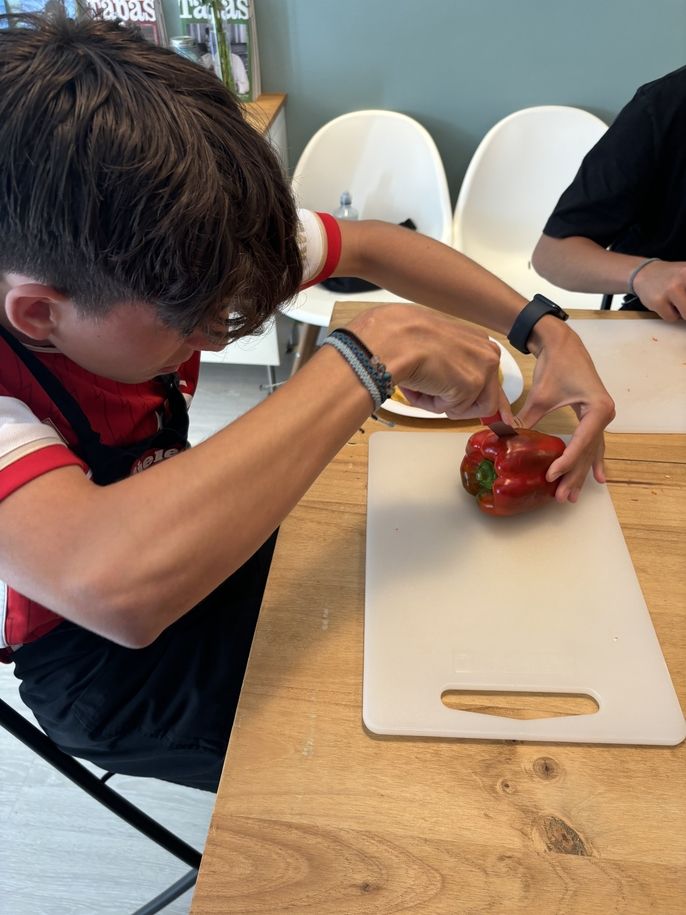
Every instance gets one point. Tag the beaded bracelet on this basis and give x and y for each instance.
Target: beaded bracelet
(368, 368)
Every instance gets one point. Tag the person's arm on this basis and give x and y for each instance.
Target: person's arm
(426, 271)
(616, 186)
(582, 265)
(128, 559)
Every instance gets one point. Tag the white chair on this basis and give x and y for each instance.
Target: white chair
(393, 170)
(512, 184)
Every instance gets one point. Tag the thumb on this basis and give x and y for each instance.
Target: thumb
(530, 413)
(505, 409)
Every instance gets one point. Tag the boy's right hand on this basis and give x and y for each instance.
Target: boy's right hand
(443, 365)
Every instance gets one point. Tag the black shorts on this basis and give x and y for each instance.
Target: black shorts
(164, 711)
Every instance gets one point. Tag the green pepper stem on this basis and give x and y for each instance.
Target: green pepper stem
(486, 475)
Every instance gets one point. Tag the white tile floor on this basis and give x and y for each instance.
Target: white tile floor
(61, 853)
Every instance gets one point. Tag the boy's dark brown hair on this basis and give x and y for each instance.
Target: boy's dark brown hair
(129, 174)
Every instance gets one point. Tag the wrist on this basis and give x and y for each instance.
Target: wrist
(371, 372)
(546, 332)
(635, 272)
(383, 331)
(522, 331)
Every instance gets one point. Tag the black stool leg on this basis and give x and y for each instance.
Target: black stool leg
(37, 741)
(169, 895)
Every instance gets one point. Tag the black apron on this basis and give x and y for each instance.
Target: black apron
(166, 710)
(109, 463)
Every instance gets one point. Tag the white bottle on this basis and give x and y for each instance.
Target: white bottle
(346, 210)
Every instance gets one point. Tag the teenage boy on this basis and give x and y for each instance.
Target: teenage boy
(142, 221)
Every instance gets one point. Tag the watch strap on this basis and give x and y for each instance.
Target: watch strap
(527, 318)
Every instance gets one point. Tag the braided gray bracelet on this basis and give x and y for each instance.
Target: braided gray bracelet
(370, 371)
(635, 271)
(357, 367)
(379, 374)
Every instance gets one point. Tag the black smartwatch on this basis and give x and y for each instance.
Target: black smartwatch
(528, 316)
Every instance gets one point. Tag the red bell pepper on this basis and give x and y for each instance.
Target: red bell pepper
(507, 475)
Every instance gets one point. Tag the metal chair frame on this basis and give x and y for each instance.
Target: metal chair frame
(33, 738)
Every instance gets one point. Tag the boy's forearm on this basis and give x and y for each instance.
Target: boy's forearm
(426, 271)
(582, 265)
(128, 559)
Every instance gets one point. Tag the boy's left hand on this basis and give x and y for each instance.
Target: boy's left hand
(565, 376)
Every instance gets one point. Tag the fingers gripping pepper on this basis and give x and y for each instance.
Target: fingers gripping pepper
(507, 475)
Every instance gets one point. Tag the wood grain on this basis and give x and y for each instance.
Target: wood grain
(263, 111)
(317, 815)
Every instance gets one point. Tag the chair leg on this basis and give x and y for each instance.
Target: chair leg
(33, 738)
(169, 895)
(307, 343)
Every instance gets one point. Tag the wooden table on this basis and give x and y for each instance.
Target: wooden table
(316, 815)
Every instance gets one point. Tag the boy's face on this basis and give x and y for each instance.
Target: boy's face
(130, 343)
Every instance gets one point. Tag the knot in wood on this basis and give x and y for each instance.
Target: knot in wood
(546, 768)
(560, 837)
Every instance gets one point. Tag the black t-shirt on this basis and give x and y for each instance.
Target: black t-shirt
(630, 191)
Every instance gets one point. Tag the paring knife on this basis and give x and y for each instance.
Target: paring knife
(497, 424)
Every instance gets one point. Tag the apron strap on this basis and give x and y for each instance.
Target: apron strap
(55, 390)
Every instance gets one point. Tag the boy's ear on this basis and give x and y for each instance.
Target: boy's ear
(33, 309)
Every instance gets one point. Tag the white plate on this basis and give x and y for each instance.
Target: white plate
(513, 385)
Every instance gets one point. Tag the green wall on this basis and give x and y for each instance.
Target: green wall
(458, 66)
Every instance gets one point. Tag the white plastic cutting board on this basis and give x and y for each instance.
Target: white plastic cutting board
(456, 600)
(643, 365)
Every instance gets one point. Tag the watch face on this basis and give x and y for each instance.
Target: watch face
(553, 306)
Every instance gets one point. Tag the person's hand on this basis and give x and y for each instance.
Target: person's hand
(661, 287)
(565, 376)
(440, 404)
(441, 364)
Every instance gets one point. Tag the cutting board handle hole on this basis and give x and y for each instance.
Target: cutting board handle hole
(519, 704)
